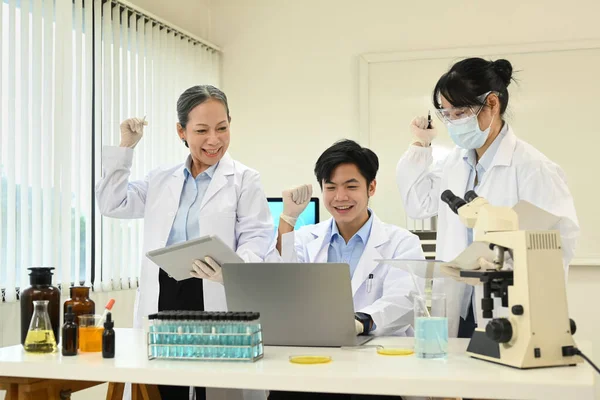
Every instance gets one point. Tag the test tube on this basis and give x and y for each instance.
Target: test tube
(187, 339)
(257, 335)
(175, 350)
(207, 325)
(222, 335)
(234, 338)
(206, 330)
(179, 338)
(243, 335)
(161, 337)
(199, 319)
(171, 338)
(214, 342)
(173, 335)
(166, 334)
(196, 330)
(152, 336)
(231, 335)
(242, 329)
(224, 340)
(250, 329)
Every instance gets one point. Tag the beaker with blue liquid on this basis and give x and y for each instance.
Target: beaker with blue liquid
(431, 326)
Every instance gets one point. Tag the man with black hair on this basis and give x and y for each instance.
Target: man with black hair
(346, 173)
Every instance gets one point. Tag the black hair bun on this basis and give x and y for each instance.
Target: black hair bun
(504, 70)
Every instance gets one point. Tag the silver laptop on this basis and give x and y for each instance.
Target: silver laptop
(299, 304)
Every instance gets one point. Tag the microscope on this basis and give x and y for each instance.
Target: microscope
(537, 331)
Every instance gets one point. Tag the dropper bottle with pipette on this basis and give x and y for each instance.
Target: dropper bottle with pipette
(107, 309)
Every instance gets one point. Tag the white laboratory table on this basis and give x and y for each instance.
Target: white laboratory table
(351, 371)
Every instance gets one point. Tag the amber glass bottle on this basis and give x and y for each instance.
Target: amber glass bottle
(80, 301)
(40, 279)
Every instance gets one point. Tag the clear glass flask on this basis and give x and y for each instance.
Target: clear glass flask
(40, 336)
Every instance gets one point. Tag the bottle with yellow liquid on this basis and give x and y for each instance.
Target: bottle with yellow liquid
(40, 337)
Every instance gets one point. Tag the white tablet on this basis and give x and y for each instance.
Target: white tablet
(176, 260)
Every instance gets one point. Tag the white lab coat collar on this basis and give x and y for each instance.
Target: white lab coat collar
(457, 181)
(317, 249)
(505, 152)
(218, 181)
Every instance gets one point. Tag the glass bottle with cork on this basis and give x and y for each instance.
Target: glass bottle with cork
(40, 279)
(80, 301)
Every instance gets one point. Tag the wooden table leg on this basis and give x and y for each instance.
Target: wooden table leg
(144, 392)
(115, 391)
(12, 392)
(53, 393)
(38, 389)
(150, 392)
(24, 393)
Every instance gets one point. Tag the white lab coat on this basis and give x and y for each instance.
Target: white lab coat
(388, 302)
(518, 172)
(234, 208)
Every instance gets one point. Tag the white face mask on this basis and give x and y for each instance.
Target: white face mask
(468, 135)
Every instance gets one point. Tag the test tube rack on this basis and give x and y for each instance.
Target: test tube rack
(199, 335)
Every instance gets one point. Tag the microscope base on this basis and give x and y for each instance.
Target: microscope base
(480, 345)
(483, 348)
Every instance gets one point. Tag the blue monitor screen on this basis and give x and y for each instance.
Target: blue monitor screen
(309, 216)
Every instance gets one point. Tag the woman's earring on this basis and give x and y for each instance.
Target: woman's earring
(185, 142)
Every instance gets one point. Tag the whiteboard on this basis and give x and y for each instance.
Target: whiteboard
(553, 106)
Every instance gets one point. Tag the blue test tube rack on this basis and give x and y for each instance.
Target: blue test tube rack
(200, 335)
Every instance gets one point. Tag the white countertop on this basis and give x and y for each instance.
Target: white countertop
(351, 371)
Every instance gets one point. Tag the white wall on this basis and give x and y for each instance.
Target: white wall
(290, 70)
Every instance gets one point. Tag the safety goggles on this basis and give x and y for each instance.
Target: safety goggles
(460, 115)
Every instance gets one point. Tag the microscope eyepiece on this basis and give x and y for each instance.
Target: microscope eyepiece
(454, 202)
(470, 196)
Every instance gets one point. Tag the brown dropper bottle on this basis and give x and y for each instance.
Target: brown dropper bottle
(70, 334)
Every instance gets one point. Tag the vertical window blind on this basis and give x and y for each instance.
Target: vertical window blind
(70, 72)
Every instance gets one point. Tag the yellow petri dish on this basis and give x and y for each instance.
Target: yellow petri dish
(310, 359)
(394, 351)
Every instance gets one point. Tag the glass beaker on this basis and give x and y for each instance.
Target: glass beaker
(90, 335)
(431, 326)
(40, 336)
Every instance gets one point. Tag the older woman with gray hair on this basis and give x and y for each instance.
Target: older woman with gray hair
(208, 194)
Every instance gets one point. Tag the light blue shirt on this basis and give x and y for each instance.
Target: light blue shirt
(478, 169)
(341, 252)
(186, 224)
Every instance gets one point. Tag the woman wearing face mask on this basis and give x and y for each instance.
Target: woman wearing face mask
(471, 99)
(208, 194)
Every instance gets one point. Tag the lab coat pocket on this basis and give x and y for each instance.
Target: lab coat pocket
(376, 287)
(368, 292)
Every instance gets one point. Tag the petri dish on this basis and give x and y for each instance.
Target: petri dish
(310, 359)
(392, 351)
